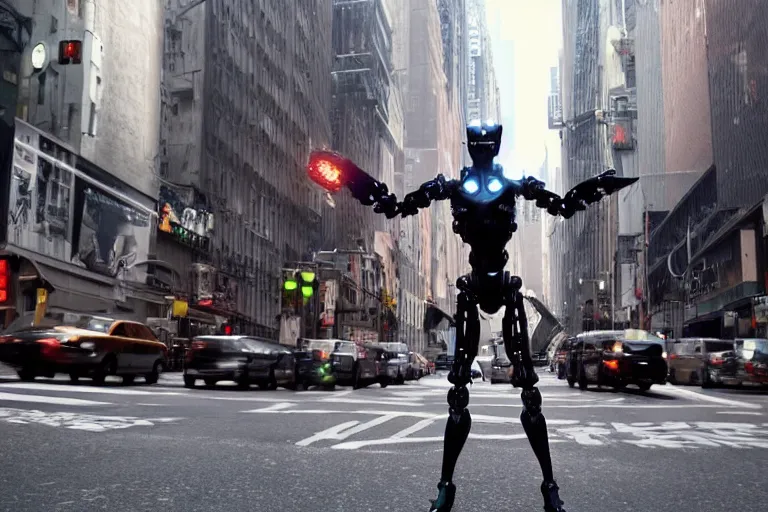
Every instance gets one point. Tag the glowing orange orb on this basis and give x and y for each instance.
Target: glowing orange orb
(325, 173)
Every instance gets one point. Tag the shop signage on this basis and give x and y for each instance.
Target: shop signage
(191, 225)
(55, 211)
(212, 289)
(328, 293)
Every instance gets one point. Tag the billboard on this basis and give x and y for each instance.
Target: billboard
(109, 235)
(54, 211)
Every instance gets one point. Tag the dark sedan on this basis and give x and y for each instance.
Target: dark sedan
(617, 358)
(243, 359)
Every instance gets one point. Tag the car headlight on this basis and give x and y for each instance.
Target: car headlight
(88, 345)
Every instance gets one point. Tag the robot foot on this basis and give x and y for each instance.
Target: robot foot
(552, 501)
(445, 496)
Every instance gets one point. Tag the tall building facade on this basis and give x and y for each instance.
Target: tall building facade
(246, 91)
(706, 263)
(80, 142)
(364, 132)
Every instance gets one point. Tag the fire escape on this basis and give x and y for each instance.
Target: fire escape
(359, 120)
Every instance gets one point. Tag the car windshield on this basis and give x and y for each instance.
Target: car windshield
(756, 349)
(345, 348)
(718, 346)
(400, 348)
(57, 319)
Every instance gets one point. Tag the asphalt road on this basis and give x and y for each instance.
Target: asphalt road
(141, 448)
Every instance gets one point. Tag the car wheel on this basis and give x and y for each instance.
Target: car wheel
(26, 375)
(128, 379)
(107, 367)
(644, 386)
(189, 382)
(356, 380)
(305, 384)
(706, 382)
(270, 385)
(582, 379)
(571, 383)
(384, 382)
(154, 375)
(74, 378)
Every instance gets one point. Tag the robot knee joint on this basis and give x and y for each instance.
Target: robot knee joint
(458, 398)
(531, 402)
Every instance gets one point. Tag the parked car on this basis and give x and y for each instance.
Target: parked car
(82, 345)
(558, 363)
(304, 366)
(501, 365)
(540, 358)
(617, 358)
(702, 361)
(356, 365)
(245, 360)
(401, 361)
(322, 366)
(752, 361)
(443, 362)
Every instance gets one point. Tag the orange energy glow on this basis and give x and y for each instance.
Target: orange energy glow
(325, 173)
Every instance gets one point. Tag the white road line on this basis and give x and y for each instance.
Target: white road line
(709, 398)
(345, 430)
(65, 388)
(376, 402)
(39, 399)
(421, 425)
(741, 413)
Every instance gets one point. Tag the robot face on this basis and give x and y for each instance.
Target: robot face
(483, 142)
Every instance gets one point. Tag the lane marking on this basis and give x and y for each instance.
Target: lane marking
(345, 430)
(713, 399)
(743, 413)
(421, 425)
(65, 388)
(54, 400)
(376, 402)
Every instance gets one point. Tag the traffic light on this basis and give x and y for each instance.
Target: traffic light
(226, 329)
(70, 52)
(308, 283)
(297, 282)
(5, 282)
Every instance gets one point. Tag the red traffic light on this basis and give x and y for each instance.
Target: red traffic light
(70, 52)
(226, 330)
(325, 169)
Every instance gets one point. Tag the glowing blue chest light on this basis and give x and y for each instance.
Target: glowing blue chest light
(494, 185)
(471, 186)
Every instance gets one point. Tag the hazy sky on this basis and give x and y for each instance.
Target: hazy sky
(526, 38)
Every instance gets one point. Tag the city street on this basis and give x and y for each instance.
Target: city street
(118, 448)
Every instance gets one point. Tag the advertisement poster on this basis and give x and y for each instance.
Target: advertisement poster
(111, 235)
(328, 293)
(40, 195)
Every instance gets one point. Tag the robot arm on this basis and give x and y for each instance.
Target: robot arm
(578, 198)
(436, 189)
(333, 171)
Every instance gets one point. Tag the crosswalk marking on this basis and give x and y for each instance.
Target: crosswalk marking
(54, 400)
(76, 421)
(42, 386)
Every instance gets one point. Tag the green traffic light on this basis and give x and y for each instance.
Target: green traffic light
(306, 291)
(307, 276)
(290, 285)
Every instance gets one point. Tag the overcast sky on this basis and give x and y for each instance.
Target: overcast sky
(526, 38)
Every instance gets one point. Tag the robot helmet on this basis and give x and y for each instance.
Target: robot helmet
(483, 141)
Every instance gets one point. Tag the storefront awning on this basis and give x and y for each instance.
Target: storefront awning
(434, 316)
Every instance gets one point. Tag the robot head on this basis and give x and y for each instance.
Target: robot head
(483, 142)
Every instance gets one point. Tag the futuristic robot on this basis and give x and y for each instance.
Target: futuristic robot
(483, 207)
